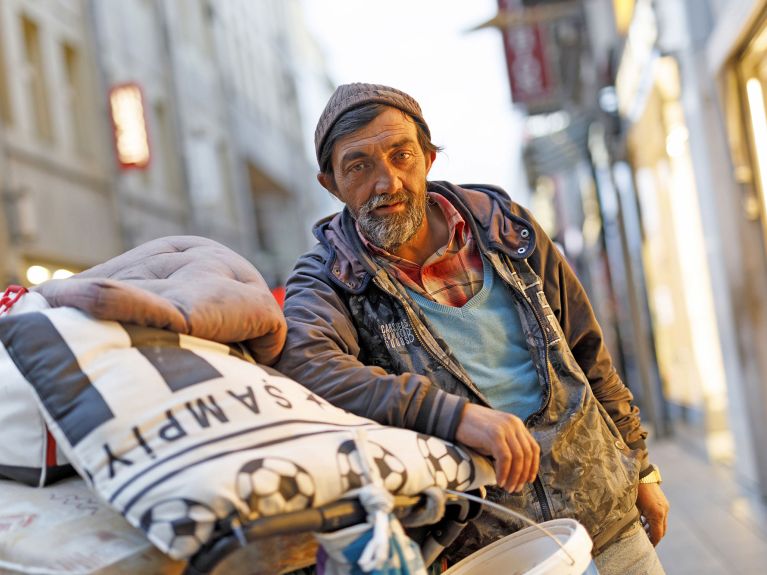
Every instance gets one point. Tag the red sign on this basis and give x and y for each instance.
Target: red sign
(126, 105)
(528, 60)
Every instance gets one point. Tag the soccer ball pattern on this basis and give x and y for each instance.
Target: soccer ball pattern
(450, 467)
(390, 467)
(178, 526)
(272, 485)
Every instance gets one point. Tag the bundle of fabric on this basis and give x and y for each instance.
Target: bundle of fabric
(185, 284)
(182, 431)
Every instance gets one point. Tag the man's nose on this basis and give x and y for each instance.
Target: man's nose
(387, 179)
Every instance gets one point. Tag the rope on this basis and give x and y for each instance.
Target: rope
(378, 503)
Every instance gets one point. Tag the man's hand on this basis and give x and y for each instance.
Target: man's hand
(505, 438)
(653, 506)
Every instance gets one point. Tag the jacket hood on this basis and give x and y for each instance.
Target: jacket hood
(487, 209)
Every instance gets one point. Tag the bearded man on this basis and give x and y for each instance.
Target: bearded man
(446, 309)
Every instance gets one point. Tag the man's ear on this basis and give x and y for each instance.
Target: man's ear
(430, 157)
(328, 182)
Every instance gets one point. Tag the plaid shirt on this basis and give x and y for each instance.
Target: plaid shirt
(450, 276)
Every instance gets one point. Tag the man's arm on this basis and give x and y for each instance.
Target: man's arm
(322, 352)
(572, 309)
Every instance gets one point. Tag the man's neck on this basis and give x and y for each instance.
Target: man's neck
(432, 235)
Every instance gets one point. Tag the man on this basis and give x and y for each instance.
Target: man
(448, 310)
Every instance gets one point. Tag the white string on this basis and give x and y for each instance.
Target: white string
(513, 513)
(378, 503)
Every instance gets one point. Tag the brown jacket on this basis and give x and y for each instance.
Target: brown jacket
(356, 338)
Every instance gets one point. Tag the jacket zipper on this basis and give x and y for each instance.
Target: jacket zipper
(542, 499)
(540, 492)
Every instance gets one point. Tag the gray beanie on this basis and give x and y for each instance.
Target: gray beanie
(350, 96)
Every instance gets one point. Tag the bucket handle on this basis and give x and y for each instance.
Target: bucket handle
(515, 514)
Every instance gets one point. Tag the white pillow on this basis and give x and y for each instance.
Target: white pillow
(28, 452)
(177, 433)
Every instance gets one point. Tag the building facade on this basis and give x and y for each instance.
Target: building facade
(690, 89)
(676, 149)
(258, 44)
(123, 122)
(152, 193)
(58, 209)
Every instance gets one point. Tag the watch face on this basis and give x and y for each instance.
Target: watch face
(652, 477)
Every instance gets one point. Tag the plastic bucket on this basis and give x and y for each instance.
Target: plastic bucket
(533, 552)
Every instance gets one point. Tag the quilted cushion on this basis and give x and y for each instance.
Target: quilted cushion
(187, 284)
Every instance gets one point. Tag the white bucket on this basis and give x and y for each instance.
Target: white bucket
(532, 552)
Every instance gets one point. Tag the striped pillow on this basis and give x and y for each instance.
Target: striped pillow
(28, 451)
(181, 435)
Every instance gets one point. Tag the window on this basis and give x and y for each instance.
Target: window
(211, 178)
(226, 179)
(5, 103)
(73, 97)
(34, 79)
(751, 69)
(270, 207)
(196, 19)
(164, 150)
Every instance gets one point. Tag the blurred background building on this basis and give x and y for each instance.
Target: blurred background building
(646, 155)
(57, 191)
(121, 122)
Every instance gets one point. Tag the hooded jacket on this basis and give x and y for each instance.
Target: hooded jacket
(356, 338)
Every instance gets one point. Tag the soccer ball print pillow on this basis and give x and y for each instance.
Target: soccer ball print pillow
(179, 433)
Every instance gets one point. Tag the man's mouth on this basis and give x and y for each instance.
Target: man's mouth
(388, 208)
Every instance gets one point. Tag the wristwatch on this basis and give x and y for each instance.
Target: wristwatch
(653, 476)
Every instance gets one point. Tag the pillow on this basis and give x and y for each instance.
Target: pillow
(28, 452)
(179, 433)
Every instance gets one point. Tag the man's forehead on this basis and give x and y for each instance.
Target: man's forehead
(391, 128)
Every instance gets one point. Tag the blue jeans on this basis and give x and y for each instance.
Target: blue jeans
(632, 554)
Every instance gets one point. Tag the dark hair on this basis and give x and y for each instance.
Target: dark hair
(357, 118)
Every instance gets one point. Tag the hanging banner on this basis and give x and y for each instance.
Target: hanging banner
(528, 50)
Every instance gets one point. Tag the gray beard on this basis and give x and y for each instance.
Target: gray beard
(392, 231)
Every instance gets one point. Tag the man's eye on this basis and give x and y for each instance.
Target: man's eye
(404, 155)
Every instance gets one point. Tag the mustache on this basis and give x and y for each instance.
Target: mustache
(383, 200)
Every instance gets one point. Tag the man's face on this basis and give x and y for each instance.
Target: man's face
(379, 172)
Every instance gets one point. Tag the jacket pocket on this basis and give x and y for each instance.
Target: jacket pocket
(589, 472)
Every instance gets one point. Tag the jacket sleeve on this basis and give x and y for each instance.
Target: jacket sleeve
(322, 350)
(573, 310)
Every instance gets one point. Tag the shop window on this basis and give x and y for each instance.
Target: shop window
(34, 79)
(751, 71)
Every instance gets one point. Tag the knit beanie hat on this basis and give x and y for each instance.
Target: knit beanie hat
(350, 96)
